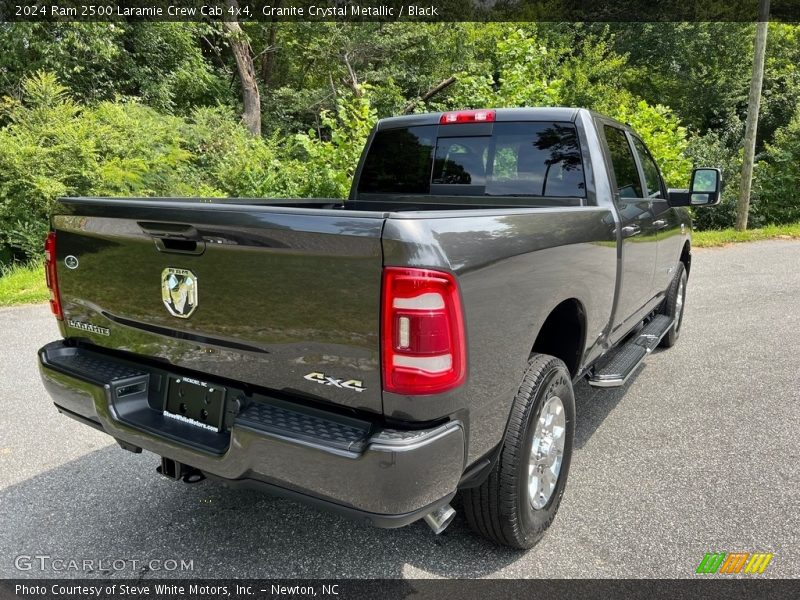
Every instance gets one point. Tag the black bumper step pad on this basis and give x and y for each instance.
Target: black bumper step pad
(91, 366)
(309, 425)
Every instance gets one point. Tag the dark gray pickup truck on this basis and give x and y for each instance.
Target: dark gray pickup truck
(378, 355)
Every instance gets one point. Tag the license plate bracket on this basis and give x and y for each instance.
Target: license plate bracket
(197, 402)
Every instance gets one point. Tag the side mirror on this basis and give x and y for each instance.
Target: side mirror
(704, 189)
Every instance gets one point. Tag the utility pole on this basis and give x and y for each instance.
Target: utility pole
(753, 105)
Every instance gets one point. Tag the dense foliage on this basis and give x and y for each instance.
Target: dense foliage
(129, 109)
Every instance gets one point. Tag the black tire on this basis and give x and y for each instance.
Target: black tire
(674, 309)
(500, 508)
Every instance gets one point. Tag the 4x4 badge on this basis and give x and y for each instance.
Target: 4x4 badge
(179, 291)
(350, 384)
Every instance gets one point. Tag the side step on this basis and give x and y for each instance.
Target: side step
(619, 364)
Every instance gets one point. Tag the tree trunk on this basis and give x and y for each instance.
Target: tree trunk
(352, 80)
(270, 55)
(247, 76)
(753, 105)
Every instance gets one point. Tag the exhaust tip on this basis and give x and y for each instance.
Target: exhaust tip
(439, 519)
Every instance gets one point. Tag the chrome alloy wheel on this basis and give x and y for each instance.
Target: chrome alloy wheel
(547, 452)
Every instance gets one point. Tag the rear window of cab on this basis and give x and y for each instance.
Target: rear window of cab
(540, 159)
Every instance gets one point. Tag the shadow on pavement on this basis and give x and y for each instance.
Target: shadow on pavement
(593, 405)
(111, 504)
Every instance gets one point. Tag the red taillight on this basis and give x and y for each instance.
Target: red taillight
(424, 347)
(467, 116)
(52, 275)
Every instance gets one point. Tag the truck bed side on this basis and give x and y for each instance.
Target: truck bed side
(514, 268)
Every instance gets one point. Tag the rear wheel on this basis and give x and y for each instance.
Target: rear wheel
(519, 499)
(673, 306)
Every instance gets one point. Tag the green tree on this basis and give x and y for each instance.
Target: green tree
(55, 147)
(778, 176)
(162, 64)
(525, 72)
(331, 163)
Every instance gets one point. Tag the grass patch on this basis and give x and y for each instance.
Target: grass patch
(721, 237)
(22, 285)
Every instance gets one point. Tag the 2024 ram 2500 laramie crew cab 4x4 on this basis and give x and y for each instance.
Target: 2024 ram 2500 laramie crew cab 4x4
(377, 355)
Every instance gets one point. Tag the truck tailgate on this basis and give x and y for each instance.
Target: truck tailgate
(283, 298)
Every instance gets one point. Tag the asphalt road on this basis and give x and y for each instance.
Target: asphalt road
(700, 452)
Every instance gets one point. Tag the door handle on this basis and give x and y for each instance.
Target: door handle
(660, 224)
(631, 230)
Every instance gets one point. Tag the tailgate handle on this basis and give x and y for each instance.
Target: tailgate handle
(175, 237)
(179, 245)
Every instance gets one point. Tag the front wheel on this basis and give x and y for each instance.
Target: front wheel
(519, 499)
(673, 306)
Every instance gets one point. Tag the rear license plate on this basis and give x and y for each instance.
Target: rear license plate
(195, 402)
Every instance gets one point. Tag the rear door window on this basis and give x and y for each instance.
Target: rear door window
(652, 178)
(625, 171)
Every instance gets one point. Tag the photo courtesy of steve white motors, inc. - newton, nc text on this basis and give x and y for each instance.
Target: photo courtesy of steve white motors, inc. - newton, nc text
(402, 299)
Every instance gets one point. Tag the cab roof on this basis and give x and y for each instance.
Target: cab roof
(540, 113)
(557, 113)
